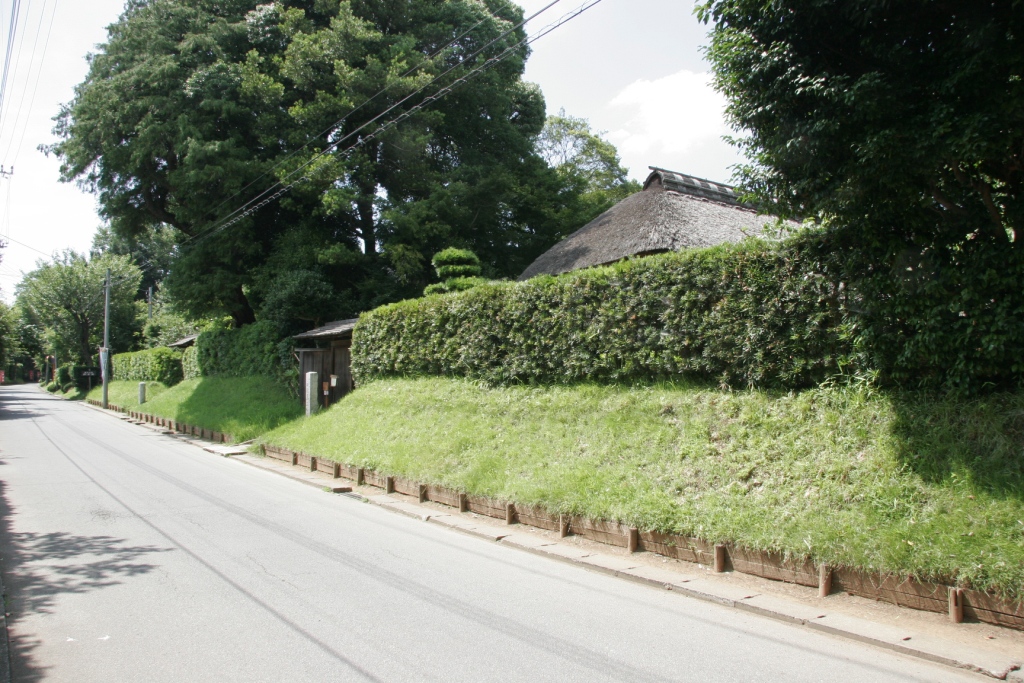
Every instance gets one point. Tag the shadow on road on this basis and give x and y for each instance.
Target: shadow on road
(40, 567)
(17, 403)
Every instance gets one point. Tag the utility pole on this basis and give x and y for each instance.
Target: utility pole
(150, 299)
(105, 351)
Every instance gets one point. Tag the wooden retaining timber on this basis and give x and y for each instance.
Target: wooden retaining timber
(960, 604)
(172, 425)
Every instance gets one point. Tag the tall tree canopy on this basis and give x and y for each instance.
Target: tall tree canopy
(904, 113)
(901, 126)
(65, 300)
(193, 107)
(586, 161)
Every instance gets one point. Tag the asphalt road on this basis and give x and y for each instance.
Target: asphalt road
(129, 556)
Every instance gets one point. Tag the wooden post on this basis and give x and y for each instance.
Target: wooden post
(463, 502)
(720, 558)
(295, 458)
(563, 526)
(956, 605)
(824, 580)
(312, 464)
(510, 513)
(423, 493)
(337, 470)
(389, 484)
(633, 541)
(360, 476)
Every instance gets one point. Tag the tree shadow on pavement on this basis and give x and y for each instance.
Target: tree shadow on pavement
(18, 405)
(38, 568)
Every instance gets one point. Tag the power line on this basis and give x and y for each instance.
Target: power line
(5, 114)
(12, 31)
(231, 218)
(270, 195)
(35, 87)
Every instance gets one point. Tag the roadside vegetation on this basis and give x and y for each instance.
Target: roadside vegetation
(904, 483)
(243, 407)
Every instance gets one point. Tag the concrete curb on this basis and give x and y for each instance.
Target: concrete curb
(988, 663)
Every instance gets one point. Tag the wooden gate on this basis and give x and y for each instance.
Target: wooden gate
(333, 365)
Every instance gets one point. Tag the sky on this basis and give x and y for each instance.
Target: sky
(633, 68)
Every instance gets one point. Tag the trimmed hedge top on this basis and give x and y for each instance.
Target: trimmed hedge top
(152, 365)
(753, 314)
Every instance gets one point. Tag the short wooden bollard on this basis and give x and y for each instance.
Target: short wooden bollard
(633, 540)
(312, 464)
(337, 470)
(360, 476)
(389, 484)
(423, 493)
(956, 605)
(463, 502)
(720, 558)
(295, 458)
(563, 526)
(824, 580)
(510, 513)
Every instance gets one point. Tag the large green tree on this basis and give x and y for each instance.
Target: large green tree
(64, 299)
(900, 126)
(194, 107)
(879, 110)
(587, 162)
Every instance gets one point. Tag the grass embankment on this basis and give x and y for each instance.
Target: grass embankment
(900, 483)
(243, 407)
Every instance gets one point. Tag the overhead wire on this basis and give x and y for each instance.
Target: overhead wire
(12, 31)
(35, 87)
(260, 199)
(6, 110)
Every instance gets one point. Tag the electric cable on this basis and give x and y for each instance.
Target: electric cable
(11, 34)
(35, 87)
(5, 114)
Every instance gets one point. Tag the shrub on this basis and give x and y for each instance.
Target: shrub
(753, 314)
(455, 257)
(190, 363)
(52, 387)
(152, 365)
(459, 270)
(458, 284)
(255, 350)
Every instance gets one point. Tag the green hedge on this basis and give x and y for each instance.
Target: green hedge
(255, 350)
(190, 363)
(753, 314)
(152, 365)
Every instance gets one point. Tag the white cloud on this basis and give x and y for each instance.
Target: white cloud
(678, 122)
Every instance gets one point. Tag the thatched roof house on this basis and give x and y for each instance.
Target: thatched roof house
(673, 212)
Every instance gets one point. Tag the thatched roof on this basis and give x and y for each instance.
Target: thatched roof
(339, 329)
(673, 212)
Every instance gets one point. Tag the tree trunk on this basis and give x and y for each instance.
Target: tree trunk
(242, 314)
(364, 207)
(84, 350)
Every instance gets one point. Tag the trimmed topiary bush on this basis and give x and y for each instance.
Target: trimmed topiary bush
(152, 365)
(459, 270)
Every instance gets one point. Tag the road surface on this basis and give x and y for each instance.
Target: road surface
(130, 556)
